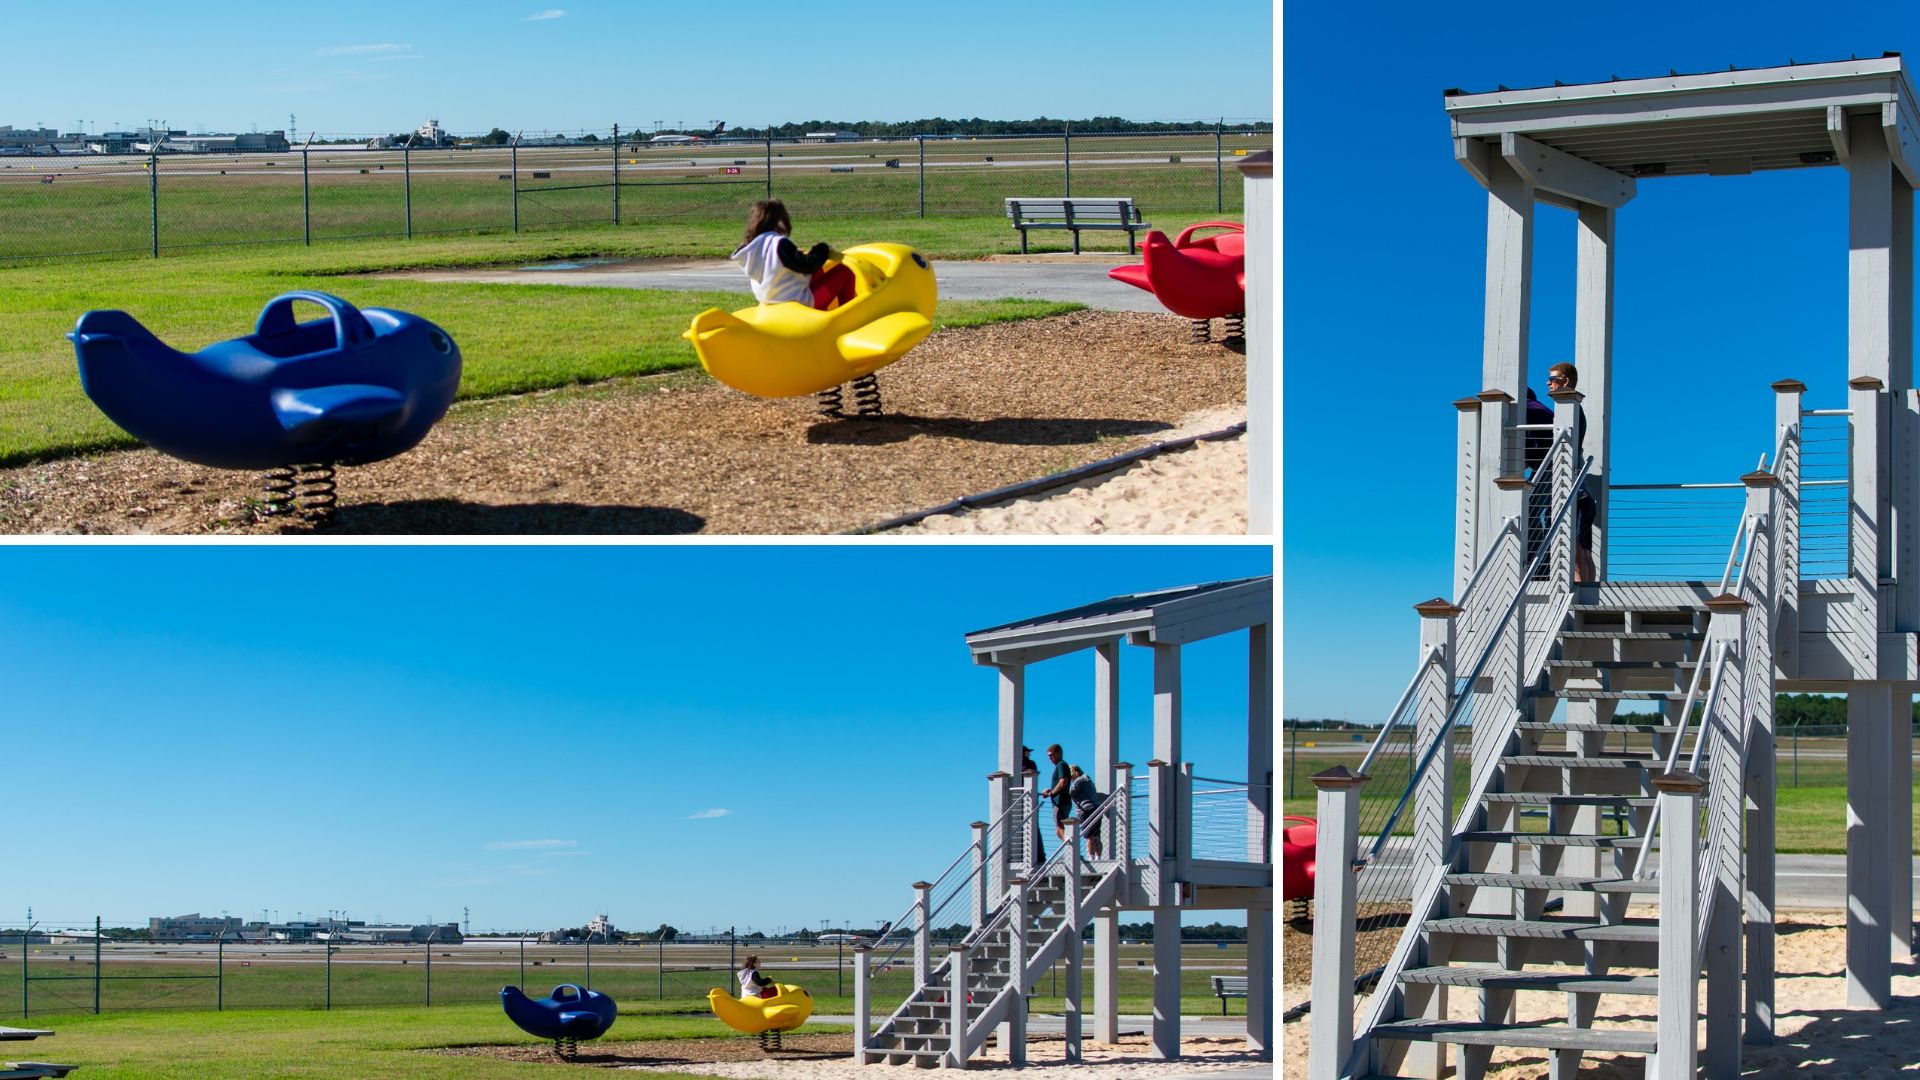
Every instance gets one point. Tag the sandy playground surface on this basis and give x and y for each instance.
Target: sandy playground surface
(829, 1057)
(972, 410)
(1816, 1030)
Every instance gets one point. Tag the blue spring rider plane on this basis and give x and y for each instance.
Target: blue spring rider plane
(352, 388)
(568, 1016)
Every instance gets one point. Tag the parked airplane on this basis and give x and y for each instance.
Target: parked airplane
(670, 139)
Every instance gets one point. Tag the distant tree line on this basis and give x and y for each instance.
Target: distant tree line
(940, 125)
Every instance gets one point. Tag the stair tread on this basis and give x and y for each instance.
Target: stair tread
(1542, 1036)
(1637, 635)
(1624, 665)
(1499, 978)
(1556, 882)
(1548, 927)
(1569, 694)
(1530, 725)
(1614, 762)
(1491, 836)
(1548, 798)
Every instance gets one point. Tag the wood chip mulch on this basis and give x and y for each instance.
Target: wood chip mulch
(613, 1055)
(970, 410)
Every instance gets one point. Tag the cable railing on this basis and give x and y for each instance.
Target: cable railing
(1220, 821)
(1826, 457)
(958, 879)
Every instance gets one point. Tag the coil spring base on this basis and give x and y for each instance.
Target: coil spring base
(832, 405)
(308, 490)
(566, 1048)
(866, 396)
(1199, 331)
(1236, 330)
(866, 399)
(769, 1040)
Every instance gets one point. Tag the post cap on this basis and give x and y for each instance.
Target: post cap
(1510, 482)
(1495, 394)
(862, 947)
(1437, 608)
(1789, 386)
(1679, 782)
(1155, 763)
(1726, 603)
(979, 824)
(998, 775)
(1467, 404)
(1760, 478)
(1865, 382)
(1259, 163)
(1338, 778)
(923, 884)
(1123, 764)
(1571, 397)
(1017, 880)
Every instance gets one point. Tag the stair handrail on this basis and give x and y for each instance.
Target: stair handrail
(1461, 701)
(1737, 554)
(907, 924)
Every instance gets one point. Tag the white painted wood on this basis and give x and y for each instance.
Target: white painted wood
(1837, 135)
(1593, 354)
(1263, 382)
(1015, 833)
(1335, 908)
(1259, 744)
(1013, 714)
(1789, 394)
(1566, 464)
(1900, 825)
(982, 877)
(1183, 825)
(1014, 1031)
(1165, 1035)
(1509, 287)
(1678, 1021)
(1432, 811)
(1858, 624)
(1106, 713)
(1260, 981)
(1106, 975)
(1869, 890)
(1161, 853)
(862, 1000)
(1823, 78)
(922, 932)
(1466, 536)
(1475, 156)
(1903, 142)
(1075, 947)
(1166, 703)
(957, 1008)
(1759, 583)
(1552, 170)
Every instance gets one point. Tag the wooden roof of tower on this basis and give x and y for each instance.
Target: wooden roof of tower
(1168, 617)
(1723, 123)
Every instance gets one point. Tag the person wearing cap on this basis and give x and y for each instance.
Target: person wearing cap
(1057, 790)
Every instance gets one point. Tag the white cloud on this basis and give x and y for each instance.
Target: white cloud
(718, 811)
(564, 854)
(361, 50)
(525, 845)
(402, 56)
(542, 16)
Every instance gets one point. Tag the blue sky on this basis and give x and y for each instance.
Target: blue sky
(705, 736)
(1723, 285)
(360, 66)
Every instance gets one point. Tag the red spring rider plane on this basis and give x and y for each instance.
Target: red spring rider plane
(1196, 279)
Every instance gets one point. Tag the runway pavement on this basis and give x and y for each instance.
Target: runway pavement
(1081, 280)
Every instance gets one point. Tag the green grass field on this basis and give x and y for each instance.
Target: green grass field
(513, 338)
(60, 207)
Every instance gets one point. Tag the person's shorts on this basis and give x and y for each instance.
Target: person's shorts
(1061, 812)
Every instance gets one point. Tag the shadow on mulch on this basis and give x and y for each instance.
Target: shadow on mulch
(1006, 431)
(676, 1052)
(452, 517)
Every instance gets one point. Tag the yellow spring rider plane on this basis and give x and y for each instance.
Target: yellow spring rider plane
(765, 1017)
(786, 350)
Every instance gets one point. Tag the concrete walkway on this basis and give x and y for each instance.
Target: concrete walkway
(1081, 280)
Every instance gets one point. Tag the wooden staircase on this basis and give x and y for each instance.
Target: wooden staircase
(1560, 826)
(1003, 960)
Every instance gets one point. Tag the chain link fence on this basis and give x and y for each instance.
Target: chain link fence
(99, 204)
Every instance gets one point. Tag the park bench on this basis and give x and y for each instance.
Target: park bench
(1229, 986)
(33, 1070)
(1075, 214)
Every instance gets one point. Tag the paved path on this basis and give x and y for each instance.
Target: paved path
(1084, 281)
(1044, 1024)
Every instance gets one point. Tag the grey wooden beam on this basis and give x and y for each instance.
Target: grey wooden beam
(1869, 890)
(1593, 355)
(1552, 170)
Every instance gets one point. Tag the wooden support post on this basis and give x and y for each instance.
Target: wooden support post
(1757, 683)
(981, 888)
(863, 1000)
(1432, 809)
(1789, 396)
(1106, 928)
(1678, 1024)
(922, 932)
(1162, 855)
(957, 1007)
(1071, 1020)
(1593, 355)
(1335, 908)
(1005, 815)
(1260, 981)
(1014, 1030)
(1870, 708)
(1165, 1035)
(1106, 713)
(1566, 464)
(1725, 729)
(1467, 498)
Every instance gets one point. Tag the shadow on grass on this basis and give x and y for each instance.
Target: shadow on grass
(1008, 431)
(433, 517)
